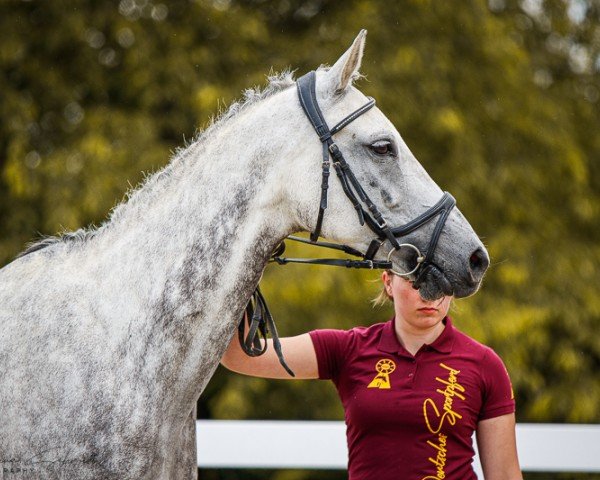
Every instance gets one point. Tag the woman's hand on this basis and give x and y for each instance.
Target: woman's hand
(498, 448)
(299, 354)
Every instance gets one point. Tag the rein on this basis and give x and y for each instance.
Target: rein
(257, 313)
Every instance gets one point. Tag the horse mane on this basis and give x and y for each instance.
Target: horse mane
(277, 82)
(78, 236)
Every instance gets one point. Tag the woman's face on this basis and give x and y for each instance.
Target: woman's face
(410, 308)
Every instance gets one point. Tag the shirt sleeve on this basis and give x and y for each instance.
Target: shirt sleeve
(331, 347)
(498, 397)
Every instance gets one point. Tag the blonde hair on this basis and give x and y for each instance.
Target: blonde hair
(383, 297)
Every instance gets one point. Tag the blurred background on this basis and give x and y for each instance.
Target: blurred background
(498, 99)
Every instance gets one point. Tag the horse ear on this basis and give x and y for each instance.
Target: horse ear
(346, 68)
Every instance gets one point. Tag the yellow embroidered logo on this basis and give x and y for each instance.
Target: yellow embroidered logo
(384, 367)
(436, 418)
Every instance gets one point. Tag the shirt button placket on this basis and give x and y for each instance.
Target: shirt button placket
(412, 370)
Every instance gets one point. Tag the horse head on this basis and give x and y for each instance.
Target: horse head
(381, 188)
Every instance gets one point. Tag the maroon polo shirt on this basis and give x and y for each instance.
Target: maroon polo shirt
(412, 417)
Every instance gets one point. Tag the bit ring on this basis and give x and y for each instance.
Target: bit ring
(420, 259)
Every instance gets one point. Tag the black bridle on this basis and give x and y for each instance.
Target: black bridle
(352, 188)
(257, 314)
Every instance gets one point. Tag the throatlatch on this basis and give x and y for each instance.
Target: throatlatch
(257, 312)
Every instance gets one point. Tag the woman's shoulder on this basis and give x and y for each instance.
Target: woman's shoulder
(484, 362)
(369, 330)
(358, 330)
(354, 335)
(466, 344)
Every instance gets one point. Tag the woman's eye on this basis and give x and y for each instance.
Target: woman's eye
(382, 148)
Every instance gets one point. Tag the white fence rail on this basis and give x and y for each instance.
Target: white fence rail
(322, 445)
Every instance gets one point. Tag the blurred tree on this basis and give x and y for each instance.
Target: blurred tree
(498, 99)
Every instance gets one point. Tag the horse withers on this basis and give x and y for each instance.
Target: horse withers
(109, 336)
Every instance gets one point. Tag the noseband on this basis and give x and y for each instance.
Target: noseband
(257, 313)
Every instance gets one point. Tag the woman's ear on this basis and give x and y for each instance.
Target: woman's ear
(386, 278)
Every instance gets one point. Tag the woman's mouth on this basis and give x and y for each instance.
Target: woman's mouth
(428, 310)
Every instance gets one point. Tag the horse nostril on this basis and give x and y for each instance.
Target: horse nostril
(478, 264)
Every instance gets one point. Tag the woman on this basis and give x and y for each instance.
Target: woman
(413, 389)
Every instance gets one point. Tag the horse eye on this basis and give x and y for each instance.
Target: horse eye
(382, 147)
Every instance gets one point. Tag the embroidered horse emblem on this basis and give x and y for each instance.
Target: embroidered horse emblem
(384, 367)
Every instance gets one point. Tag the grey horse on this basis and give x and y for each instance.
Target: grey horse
(109, 336)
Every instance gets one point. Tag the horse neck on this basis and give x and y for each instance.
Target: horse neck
(215, 205)
(185, 253)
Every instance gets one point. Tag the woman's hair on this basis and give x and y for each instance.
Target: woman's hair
(382, 298)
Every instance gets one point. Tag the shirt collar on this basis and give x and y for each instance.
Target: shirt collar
(389, 342)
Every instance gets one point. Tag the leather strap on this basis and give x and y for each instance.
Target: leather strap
(260, 321)
(306, 86)
(332, 262)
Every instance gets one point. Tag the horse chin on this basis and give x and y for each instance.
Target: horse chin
(434, 284)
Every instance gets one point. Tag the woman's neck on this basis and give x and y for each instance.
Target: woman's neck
(412, 339)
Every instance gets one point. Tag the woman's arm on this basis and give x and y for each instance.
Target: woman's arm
(498, 448)
(299, 354)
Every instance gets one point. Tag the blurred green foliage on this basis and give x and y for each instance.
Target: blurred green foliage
(498, 99)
